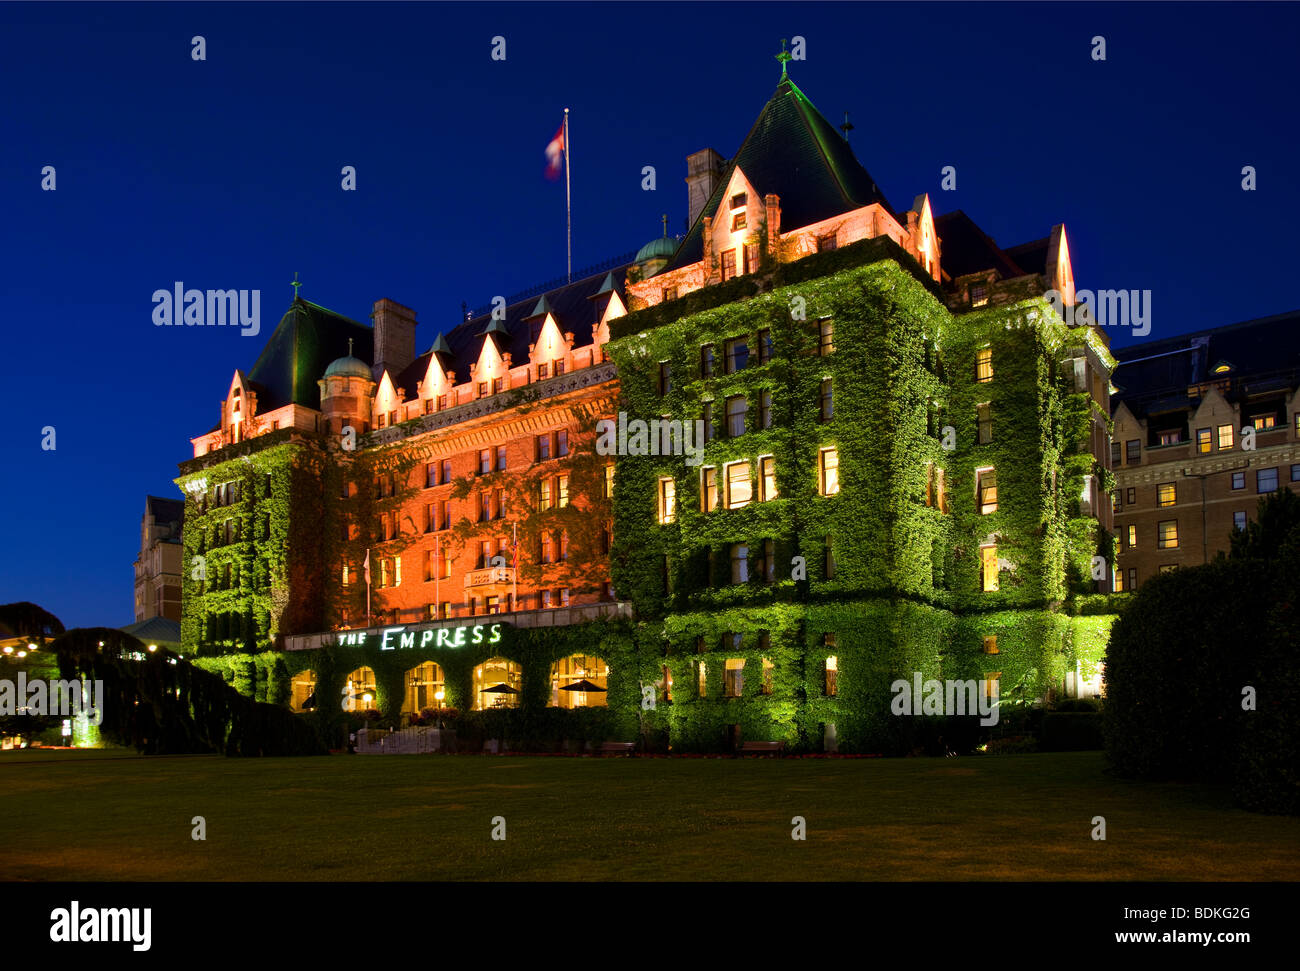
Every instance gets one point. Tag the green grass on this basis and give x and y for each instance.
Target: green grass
(115, 816)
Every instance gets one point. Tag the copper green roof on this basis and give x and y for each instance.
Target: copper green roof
(662, 248)
(296, 354)
(349, 367)
(440, 346)
(793, 151)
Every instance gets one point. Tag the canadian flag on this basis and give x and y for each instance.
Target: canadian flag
(553, 151)
(367, 566)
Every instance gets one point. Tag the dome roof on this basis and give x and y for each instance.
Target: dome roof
(662, 248)
(349, 367)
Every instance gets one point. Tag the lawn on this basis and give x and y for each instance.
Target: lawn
(92, 816)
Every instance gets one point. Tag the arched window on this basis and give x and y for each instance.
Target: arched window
(303, 691)
(360, 692)
(425, 688)
(497, 684)
(579, 681)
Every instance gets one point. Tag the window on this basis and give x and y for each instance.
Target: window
(484, 555)
(1264, 421)
(548, 547)
(740, 489)
(941, 490)
(1132, 536)
(670, 293)
(1119, 581)
(665, 378)
(738, 222)
(740, 563)
(564, 544)
(1116, 502)
(736, 408)
(345, 574)
(1132, 578)
(430, 566)
(543, 447)
(501, 458)
(734, 684)
(991, 644)
(544, 495)
(431, 517)
(1238, 521)
(830, 558)
(1131, 495)
(564, 596)
(825, 336)
(739, 200)
(1239, 480)
(764, 409)
(828, 472)
(989, 568)
(482, 389)
(728, 264)
(706, 416)
(832, 675)
(609, 482)
(1266, 480)
(1172, 437)
(979, 295)
(430, 475)
(442, 402)
(984, 424)
(827, 402)
(557, 367)
(1225, 437)
(498, 384)
(826, 243)
(667, 500)
(766, 478)
(737, 353)
(562, 442)
(1168, 567)
(765, 562)
(768, 667)
(1115, 454)
(986, 489)
(702, 677)
(1168, 534)
(485, 508)
(1295, 473)
(543, 371)
(1166, 494)
(706, 361)
(444, 520)
(561, 491)
(1204, 444)
(1133, 451)
(484, 461)
(984, 364)
(765, 353)
(446, 471)
(546, 600)
(708, 489)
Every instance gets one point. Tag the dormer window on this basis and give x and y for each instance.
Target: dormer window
(737, 222)
(739, 200)
(979, 295)
(236, 394)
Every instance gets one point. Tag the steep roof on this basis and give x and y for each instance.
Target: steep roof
(296, 354)
(569, 304)
(170, 511)
(154, 630)
(968, 249)
(793, 151)
(1031, 256)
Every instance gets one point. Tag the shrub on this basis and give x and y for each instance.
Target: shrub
(1071, 731)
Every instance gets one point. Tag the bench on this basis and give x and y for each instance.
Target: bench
(617, 748)
(762, 748)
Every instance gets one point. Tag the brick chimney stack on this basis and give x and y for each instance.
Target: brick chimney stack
(703, 171)
(394, 327)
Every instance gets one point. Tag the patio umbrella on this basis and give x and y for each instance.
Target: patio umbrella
(500, 689)
(310, 702)
(583, 685)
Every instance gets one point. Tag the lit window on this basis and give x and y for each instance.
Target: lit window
(738, 222)
(828, 472)
(1266, 480)
(667, 500)
(767, 478)
(1168, 535)
(991, 644)
(609, 481)
(1225, 436)
(986, 487)
(740, 563)
(768, 667)
(825, 336)
(669, 293)
(740, 489)
(544, 495)
(984, 364)
(561, 492)
(984, 423)
(1203, 440)
(832, 676)
(708, 489)
(1166, 494)
(734, 684)
(703, 689)
(548, 547)
(345, 574)
(728, 264)
(1119, 580)
(989, 568)
(1172, 437)
(979, 295)
(1132, 536)
(1264, 421)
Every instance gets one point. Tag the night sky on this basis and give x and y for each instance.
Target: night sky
(225, 173)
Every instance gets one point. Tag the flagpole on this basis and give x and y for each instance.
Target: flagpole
(568, 202)
(367, 586)
(515, 572)
(437, 579)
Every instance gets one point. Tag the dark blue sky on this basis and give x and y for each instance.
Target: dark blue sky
(225, 174)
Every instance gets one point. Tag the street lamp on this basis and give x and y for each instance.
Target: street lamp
(1205, 539)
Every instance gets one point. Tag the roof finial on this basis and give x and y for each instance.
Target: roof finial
(349, 347)
(665, 221)
(783, 57)
(847, 126)
(295, 284)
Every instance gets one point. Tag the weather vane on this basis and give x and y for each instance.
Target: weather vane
(783, 57)
(295, 285)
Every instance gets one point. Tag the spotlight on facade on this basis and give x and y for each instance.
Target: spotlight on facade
(31, 647)
(153, 647)
(9, 650)
(22, 653)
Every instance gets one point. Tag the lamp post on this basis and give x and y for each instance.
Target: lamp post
(1205, 537)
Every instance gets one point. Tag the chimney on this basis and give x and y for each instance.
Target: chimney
(394, 327)
(703, 170)
(772, 210)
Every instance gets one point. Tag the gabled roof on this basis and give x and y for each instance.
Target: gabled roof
(296, 354)
(154, 630)
(1032, 256)
(968, 249)
(569, 305)
(164, 510)
(793, 151)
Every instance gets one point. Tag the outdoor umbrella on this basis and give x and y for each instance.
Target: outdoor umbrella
(500, 689)
(583, 685)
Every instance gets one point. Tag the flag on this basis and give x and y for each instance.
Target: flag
(516, 544)
(553, 151)
(367, 566)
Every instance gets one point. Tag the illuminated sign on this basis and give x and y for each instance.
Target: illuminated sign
(417, 635)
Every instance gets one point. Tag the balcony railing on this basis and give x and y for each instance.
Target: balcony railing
(490, 577)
